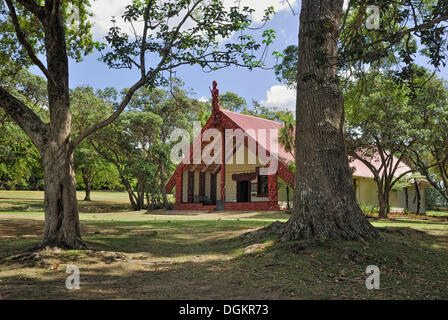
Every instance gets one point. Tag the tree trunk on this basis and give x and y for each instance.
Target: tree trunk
(406, 194)
(325, 204)
(163, 183)
(61, 211)
(140, 195)
(88, 190)
(382, 205)
(148, 201)
(127, 185)
(86, 177)
(418, 196)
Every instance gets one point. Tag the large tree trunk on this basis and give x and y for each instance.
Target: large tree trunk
(325, 204)
(61, 211)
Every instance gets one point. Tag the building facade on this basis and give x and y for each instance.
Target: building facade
(235, 182)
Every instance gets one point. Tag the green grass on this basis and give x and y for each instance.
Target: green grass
(437, 213)
(39, 195)
(167, 255)
(31, 201)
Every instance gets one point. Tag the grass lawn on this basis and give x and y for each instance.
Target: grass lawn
(186, 255)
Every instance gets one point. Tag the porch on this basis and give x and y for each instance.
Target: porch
(229, 188)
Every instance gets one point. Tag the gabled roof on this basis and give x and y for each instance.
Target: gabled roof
(247, 122)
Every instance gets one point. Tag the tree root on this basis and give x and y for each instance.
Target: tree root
(275, 230)
(283, 232)
(78, 244)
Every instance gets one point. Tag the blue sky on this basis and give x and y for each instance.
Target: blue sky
(260, 85)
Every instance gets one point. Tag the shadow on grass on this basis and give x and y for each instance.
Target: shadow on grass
(157, 238)
(24, 205)
(421, 222)
(411, 268)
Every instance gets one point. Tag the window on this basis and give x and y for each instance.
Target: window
(262, 190)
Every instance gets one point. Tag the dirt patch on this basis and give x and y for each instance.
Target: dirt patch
(14, 229)
(254, 248)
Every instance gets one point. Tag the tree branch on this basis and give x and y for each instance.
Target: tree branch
(33, 126)
(22, 39)
(33, 7)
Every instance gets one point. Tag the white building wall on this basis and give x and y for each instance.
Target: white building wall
(367, 193)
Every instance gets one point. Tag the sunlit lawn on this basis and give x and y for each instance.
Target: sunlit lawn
(190, 255)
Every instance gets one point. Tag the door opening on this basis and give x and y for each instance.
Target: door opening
(243, 192)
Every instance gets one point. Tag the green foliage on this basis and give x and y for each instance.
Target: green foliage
(286, 72)
(270, 113)
(287, 133)
(368, 208)
(406, 28)
(434, 200)
(233, 102)
(14, 57)
(388, 117)
(88, 107)
(430, 127)
(371, 103)
(20, 165)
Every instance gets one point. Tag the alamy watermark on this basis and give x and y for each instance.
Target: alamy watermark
(373, 280)
(73, 281)
(373, 17)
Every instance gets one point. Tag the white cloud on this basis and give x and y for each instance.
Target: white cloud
(281, 97)
(203, 99)
(104, 10)
(260, 5)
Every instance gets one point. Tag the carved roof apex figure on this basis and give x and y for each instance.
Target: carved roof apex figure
(215, 96)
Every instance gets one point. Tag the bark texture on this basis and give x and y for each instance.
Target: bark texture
(61, 210)
(325, 204)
